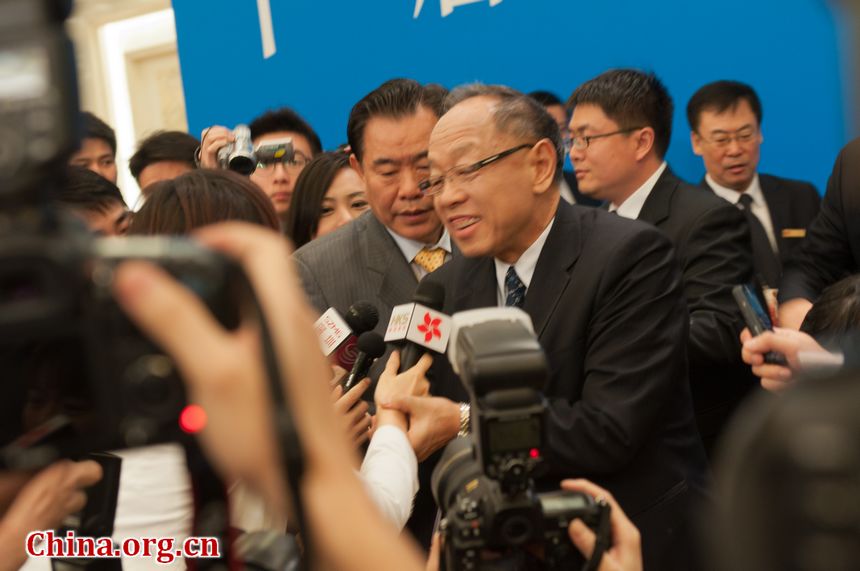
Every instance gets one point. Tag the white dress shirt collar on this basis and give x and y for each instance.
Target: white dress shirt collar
(733, 196)
(525, 266)
(631, 207)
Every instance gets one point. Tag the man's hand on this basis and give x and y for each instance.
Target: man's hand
(786, 341)
(211, 140)
(353, 411)
(43, 503)
(792, 312)
(433, 422)
(626, 551)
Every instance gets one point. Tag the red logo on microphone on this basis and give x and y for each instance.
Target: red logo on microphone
(430, 328)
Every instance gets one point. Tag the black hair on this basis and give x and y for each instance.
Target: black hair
(721, 96)
(517, 114)
(199, 198)
(285, 119)
(395, 98)
(88, 191)
(546, 98)
(303, 218)
(95, 128)
(163, 146)
(836, 312)
(631, 98)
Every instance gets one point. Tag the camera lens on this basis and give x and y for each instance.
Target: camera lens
(456, 468)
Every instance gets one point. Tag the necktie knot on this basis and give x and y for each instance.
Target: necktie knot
(515, 289)
(430, 258)
(745, 201)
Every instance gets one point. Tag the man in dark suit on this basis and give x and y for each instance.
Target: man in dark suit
(605, 298)
(621, 127)
(831, 249)
(725, 123)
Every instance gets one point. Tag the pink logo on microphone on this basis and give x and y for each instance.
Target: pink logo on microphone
(430, 328)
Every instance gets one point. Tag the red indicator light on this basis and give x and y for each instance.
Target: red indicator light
(192, 419)
(534, 453)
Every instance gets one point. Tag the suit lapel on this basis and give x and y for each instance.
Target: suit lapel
(552, 273)
(476, 286)
(394, 279)
(658, 204)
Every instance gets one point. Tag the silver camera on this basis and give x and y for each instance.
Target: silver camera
(239, 155)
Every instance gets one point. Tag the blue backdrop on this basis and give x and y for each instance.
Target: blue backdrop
(330, 53)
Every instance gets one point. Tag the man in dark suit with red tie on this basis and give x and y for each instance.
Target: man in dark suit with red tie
(725, 123)
(605, 297)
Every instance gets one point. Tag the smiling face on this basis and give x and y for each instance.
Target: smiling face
(729, 159)
(394, 160)
(501, 209)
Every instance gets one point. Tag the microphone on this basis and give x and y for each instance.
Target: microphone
(370, 347)
(338, 334)
(420, 324)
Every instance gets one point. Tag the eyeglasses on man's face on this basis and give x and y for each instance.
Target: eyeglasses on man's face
(461, 174)
(296, 164)
(581, 142)
(722, 139)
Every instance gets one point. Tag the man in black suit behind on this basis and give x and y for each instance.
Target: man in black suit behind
(605, 298)
(725, 123)
(621, 126)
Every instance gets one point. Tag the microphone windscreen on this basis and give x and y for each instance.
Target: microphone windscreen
(361, 316)
(430, 294)
(371, 344)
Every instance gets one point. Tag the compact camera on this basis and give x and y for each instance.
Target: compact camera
(241, 156)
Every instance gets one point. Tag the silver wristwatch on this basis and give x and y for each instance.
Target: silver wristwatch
(465, 416)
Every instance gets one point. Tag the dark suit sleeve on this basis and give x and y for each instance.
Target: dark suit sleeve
(634, 361)
(825, 255)
(715, 257)
(311, 285)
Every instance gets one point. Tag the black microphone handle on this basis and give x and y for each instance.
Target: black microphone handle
(409, 356)
(358, 371)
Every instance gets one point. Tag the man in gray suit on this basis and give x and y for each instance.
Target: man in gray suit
(381, 255)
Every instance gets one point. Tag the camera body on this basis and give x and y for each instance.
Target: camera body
(238, 155)
(80, 376)
(484, 483)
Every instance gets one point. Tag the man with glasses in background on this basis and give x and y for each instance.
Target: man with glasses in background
(277, 179)
(725, 130)
(620, 128)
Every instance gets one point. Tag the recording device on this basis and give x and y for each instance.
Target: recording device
(757, 319)
(370, 347)
(419, 326)
(338, 334)
(238, 155)
(484, 484)
(78, 375)
(276, 151)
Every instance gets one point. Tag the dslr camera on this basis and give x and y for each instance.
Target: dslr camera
(78, 375)
(241, 156)
(493, 517)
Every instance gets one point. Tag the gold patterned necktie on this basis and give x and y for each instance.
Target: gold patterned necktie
(430, 258)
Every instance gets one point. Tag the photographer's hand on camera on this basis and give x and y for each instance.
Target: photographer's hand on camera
(211, 140)
(625, 554)
(43, 502)
(224, 374)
